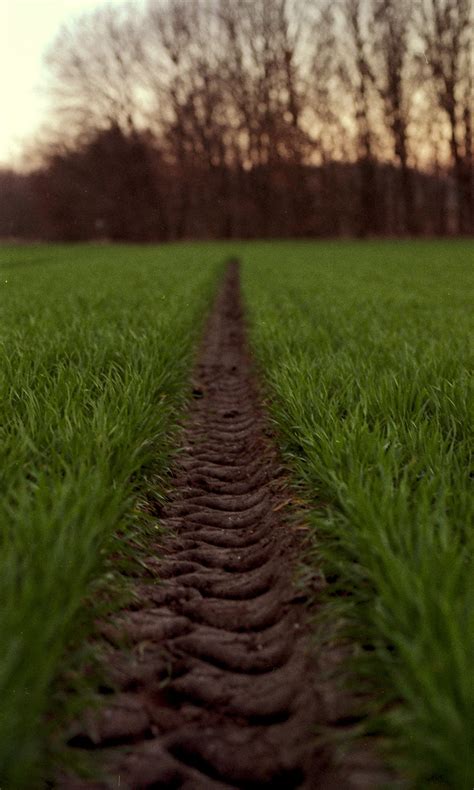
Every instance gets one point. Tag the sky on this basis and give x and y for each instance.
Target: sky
(27, 28)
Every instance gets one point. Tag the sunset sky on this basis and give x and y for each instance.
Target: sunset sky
(27, 28)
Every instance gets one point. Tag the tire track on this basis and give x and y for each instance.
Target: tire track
(212, 677)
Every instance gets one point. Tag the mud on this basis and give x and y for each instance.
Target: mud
(214, 684)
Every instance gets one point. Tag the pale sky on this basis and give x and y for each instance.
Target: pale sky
(27, 27)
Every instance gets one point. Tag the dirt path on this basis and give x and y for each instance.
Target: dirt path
(215, 677)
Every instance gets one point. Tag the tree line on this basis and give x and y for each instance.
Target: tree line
(243, 118)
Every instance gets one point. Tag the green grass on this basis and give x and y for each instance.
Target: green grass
(365, 350)
(96, 348)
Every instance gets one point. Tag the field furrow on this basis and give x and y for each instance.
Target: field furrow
(216, 688)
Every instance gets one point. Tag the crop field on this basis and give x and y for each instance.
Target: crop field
(95, 350)
(367, 355)
(364, 358)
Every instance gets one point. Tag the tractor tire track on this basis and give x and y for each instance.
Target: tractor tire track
(212, 677)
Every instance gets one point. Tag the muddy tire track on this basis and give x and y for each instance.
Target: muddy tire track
(211, 672)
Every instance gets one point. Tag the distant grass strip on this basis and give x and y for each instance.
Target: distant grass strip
(366, 352)
(95, 350)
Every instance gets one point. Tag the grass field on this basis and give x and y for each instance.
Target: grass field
(364, 352)
(365, 349)
(95, 353)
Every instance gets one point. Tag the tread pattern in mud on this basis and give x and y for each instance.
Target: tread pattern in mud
(213, 678)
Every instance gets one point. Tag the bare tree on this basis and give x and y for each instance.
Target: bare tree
(189, 111)
(390, 47)
(445, 29)
(99, 127)
(359, 78)
(93, 67)
(266, 89)
(326, 118)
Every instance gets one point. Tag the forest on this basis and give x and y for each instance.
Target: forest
(252, 118)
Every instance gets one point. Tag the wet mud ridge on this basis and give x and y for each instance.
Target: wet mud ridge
(210, 668)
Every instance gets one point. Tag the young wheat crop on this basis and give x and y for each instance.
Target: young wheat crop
(365, 352)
